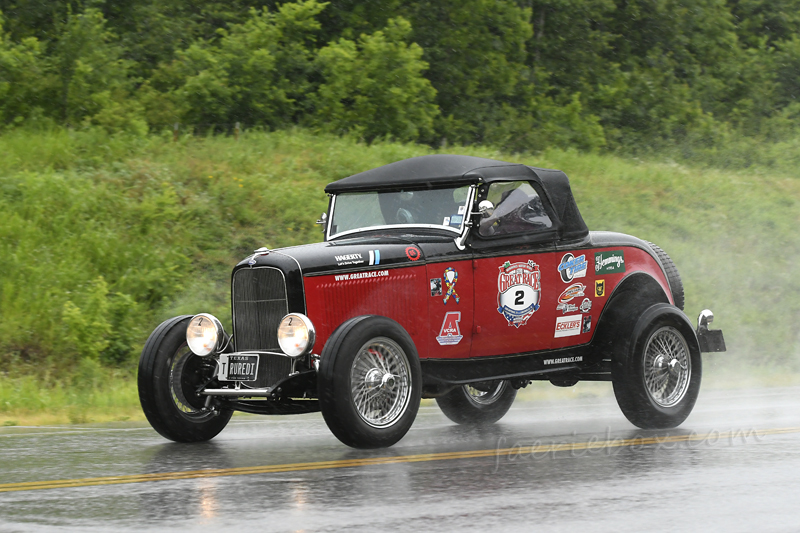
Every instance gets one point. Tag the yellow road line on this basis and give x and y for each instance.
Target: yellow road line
(369, 461)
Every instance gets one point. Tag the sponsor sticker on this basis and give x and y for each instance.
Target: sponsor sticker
(456, 220)
(518, 291)
(413, 253)
(462, 209)
(568, 326)
(587, 324)
(436, 286)
(563, 360)
(349, 259)
(374, 257)
(612, 262)
(572, 267)
(586, 305)
(450, 333)
(599, 288)
(573, 291)
(446, 221)
(450, 279)
(362, 275)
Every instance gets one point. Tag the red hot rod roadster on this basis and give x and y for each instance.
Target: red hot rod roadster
(443, 276)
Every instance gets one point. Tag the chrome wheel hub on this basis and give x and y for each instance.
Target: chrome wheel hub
(667, 367)
(380, 382)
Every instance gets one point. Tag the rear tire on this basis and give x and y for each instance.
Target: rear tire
(657, 378)
(369, 382)
(479, 404)
(169, 377)
(673, 277)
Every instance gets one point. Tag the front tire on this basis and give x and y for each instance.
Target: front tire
(478, 404)
(169, 378)
(369, 382)
(657, 379)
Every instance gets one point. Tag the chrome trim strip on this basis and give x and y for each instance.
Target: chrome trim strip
(332, 209)
(238, 392)
(264, 352)
(302, 281)
(466, 224)
(395, 226)
(258, 352)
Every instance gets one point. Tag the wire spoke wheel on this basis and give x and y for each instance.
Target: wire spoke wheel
(369, 382)
(187, 374)
(657, 376)
(486, 397)
(380, 382)
(480, 403)
(667, 367)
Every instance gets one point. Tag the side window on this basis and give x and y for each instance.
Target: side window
(517, 209)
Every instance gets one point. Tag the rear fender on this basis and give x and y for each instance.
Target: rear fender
(684, 325)
(629, 300)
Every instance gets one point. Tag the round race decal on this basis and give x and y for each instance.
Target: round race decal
(412, 252)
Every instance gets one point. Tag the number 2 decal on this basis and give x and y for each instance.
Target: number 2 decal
(520, 298)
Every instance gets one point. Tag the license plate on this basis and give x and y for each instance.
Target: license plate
(238, 367)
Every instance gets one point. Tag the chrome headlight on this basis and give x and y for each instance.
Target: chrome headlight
(296, 335)
(204, 334)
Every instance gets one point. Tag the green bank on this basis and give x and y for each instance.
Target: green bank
(102, 237)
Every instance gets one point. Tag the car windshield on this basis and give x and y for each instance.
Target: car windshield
(432, 208)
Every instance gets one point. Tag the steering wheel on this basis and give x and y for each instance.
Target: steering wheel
(404, 216)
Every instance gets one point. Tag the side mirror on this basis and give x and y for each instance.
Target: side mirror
(485, 208)
(323, 220)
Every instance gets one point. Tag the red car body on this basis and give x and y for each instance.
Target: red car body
(451, 277)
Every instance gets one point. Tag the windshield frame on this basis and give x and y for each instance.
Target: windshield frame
(457, 232)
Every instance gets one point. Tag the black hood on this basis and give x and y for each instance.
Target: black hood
(341, 255)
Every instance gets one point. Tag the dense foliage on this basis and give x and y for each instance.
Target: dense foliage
(520, 74)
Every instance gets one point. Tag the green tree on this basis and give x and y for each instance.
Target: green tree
(24, 78)
(476, 52)
(350, 18)
(570, 42)
(94, 82)
(375, 87)
(34, 18)
(257, 72)
(670, 66)
(152, 31)
(765, 21)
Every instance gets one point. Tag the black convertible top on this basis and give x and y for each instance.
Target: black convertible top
(441, 170)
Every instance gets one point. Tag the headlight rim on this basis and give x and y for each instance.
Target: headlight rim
(312, 334)
(219, 331)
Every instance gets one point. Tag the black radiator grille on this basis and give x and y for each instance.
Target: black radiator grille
(259, 303)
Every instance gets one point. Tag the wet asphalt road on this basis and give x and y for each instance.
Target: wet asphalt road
(566, 465)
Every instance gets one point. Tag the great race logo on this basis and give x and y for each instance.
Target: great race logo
(518, 292)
